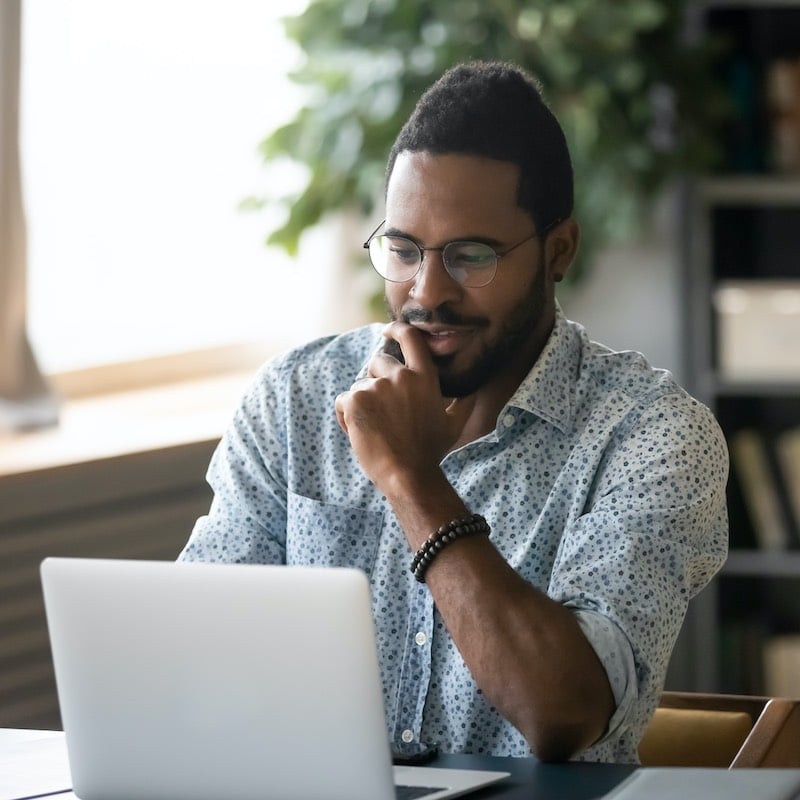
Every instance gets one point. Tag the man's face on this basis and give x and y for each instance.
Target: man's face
(485, 337)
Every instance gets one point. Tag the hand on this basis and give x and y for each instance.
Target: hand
(398, 423)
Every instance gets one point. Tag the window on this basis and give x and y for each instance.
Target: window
(140, 126)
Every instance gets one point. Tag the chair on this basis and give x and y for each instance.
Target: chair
(719, 730)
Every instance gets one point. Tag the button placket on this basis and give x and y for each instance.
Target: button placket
(416, 672)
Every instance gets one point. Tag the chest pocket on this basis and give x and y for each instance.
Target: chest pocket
(332, 536)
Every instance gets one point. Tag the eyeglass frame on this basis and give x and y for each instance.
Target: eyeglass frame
(422, 250)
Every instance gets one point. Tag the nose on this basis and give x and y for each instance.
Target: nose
(433, 285)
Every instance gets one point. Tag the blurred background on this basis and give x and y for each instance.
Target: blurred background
(185, 188)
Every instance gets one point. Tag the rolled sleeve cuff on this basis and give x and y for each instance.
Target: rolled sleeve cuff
(616, 655)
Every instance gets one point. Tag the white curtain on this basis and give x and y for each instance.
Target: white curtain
(26, 401)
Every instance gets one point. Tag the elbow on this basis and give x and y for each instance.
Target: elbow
(557, 743)
(560, 737)
(565, 726)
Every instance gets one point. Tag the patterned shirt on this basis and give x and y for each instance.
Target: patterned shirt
(603, 483)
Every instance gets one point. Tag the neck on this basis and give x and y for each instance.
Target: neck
(492, 398)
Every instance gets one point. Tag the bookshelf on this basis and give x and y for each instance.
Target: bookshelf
(741, 284)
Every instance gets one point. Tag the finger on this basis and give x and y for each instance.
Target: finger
(339, 405)
(415, 351)
(383, 365)
(344, 403)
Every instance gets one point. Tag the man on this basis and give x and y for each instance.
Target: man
(534, 511)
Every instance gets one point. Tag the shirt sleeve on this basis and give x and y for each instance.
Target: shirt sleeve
(247, 519)
(651, 537)
(616, 655)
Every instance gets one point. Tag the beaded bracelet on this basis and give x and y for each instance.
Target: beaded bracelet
(442, 537)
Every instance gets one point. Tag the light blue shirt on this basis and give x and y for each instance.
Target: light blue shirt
(603, 483)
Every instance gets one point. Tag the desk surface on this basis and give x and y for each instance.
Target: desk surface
(33, 765)
(532, 780)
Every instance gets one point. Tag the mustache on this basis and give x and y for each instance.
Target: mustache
(441, 316)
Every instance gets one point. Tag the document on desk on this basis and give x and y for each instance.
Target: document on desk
(698, 783)
(34, 768)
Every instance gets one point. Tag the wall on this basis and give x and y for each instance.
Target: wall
(631, 297)
(141, 505)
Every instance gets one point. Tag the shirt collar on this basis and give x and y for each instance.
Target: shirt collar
(547, 390)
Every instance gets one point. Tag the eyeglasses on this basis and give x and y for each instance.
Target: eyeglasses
(398, 259)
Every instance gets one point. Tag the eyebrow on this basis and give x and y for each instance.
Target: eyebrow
(479, 239)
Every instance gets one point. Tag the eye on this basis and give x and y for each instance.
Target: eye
(402, 250)
(470, 256)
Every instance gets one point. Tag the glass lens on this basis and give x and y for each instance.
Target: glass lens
(470, 263)
(394, 257)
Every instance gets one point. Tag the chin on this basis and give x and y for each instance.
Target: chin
(462, 384)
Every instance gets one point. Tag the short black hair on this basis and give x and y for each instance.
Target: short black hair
(496, 110)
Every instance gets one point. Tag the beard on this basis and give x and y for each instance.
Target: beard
(521, 323)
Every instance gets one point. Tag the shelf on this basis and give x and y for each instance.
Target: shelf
(774, 190)
(728, 387)
(763, 564)
(741, 231)
(714, 385)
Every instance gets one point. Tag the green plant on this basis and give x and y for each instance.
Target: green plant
(638, 103)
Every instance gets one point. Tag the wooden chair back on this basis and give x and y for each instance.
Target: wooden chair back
(717, 730)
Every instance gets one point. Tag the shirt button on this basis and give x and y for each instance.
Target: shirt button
(407, 736)
(420, 638)
(508, 420)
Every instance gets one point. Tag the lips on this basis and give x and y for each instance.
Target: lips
(443, 341)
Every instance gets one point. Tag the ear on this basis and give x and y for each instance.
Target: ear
(560, 248)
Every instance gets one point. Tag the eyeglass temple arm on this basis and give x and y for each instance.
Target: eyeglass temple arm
(369, 238)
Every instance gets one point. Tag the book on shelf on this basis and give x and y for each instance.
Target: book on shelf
(761, 488)
(782, 665)
(783, 96)
(787, 452)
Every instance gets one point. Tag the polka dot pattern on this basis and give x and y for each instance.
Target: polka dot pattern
(603, 481)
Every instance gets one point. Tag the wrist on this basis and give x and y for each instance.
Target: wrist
(422, 503)
(444, 536)
(422, 490)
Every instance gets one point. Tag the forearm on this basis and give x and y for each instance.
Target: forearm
(526, 652)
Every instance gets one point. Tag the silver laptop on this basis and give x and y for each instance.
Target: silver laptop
(700, 783)
(185, 681)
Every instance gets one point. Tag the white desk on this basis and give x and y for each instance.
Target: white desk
(33, 764)
(10, 736)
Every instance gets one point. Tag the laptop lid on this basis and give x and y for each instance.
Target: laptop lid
(700, 783)
(185, 681)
